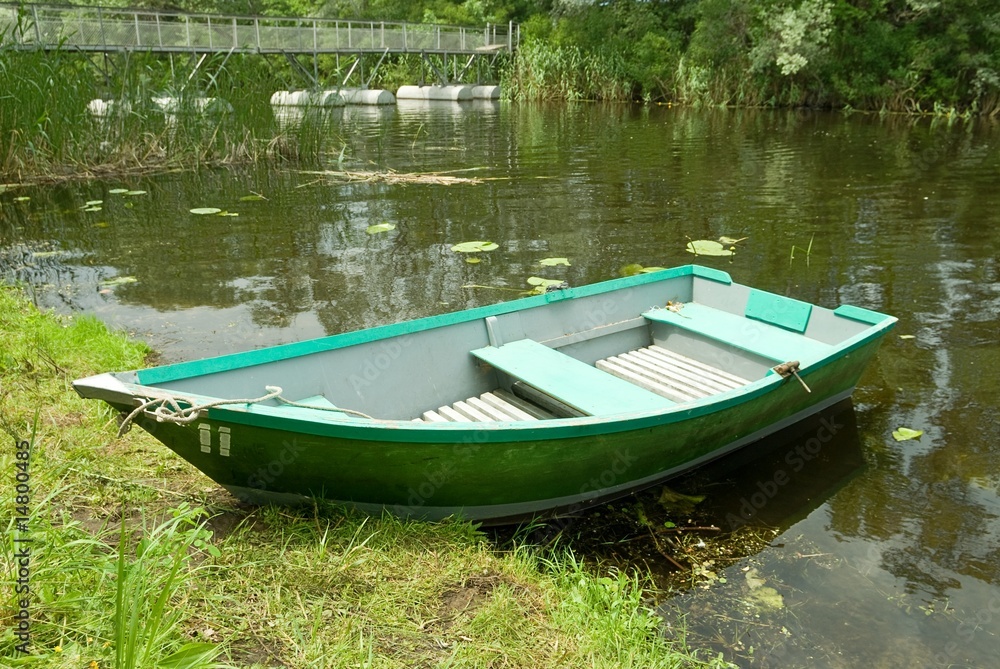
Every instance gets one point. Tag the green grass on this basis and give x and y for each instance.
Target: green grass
(140, 561)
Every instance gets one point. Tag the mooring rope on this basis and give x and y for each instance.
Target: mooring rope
(168, 409)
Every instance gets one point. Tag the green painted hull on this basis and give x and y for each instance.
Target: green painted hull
(490, 471)
(495, 475)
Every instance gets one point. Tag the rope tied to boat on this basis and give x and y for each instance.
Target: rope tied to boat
(790, 368)
(168, 409)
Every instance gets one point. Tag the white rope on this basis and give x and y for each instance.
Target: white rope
(350, 412)
(168, 409)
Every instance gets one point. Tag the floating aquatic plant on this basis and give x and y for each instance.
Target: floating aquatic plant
(552, 262)
(905, 433)
(474, 247)
(541, 284)
(206, 211)
(118, 281)
(707, 247)
(380, 227)
(635, 268)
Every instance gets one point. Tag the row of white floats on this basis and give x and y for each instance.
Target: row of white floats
(363, 96)
(330, 98)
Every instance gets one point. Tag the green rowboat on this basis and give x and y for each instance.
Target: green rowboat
(545, 404)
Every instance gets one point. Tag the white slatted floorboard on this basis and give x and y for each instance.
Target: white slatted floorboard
(670, 374)
(498, 405)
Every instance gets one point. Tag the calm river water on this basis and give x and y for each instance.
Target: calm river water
(887, 553)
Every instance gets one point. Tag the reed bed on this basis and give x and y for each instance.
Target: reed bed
(54, 135)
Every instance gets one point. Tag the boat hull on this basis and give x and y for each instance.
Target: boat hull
(493, 473)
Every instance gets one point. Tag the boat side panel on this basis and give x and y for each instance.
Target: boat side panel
(401, 377)
(159, 376)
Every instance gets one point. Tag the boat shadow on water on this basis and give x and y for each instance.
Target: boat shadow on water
(723, 512)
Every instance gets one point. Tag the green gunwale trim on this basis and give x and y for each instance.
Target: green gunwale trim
(860, 314)
(712, 274)
(224, 363)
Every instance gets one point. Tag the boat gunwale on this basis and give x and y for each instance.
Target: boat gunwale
(405, 430)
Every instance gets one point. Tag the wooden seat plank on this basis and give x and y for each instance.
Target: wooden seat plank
(757, 337)
(575, 383)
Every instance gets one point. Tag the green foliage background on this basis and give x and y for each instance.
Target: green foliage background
(939, 56)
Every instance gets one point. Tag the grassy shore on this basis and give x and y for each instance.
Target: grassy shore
(137, 560)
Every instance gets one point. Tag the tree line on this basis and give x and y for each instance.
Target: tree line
(940, 56)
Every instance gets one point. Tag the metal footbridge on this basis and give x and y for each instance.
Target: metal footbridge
(111, 30)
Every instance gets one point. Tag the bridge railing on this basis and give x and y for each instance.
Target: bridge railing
(109, 29)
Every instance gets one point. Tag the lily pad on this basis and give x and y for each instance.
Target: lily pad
(729, 241)
(92, 203)
(707, 247)
(135, 192)
(543, 283)
(552, 262)
(206, 211)
(118, 281)
(118, 191)
(473, 260)
(474, 247)
(907, 336)
(228, 213)
(22, 198)
(635, 268)
(92, 209)
(252, 198)
(905, 433)
(380, 227)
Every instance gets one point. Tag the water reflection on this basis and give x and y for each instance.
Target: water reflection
(899, 215)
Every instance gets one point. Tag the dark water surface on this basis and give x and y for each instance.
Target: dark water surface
(887, 554)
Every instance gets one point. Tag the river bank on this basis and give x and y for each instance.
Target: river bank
(134, 557)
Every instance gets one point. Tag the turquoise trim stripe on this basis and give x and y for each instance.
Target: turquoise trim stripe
(224, 363)
(712, 274)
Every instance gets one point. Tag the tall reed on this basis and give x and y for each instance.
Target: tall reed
(541, 71)
(154, 118)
